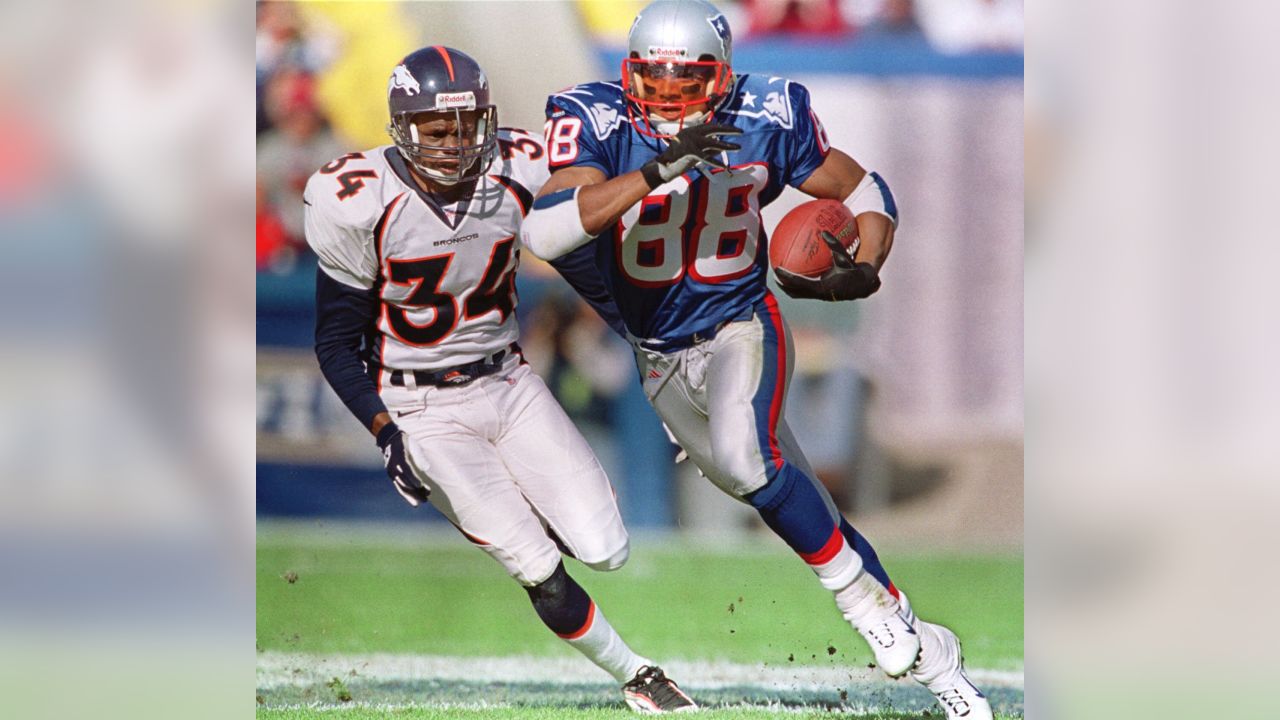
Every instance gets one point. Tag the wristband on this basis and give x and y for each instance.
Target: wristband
(652, 176)
(387, 432)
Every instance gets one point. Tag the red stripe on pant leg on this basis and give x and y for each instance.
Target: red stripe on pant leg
(893, 590)
(775, 407)
(472, 538)
(591, 616)
(828, 551)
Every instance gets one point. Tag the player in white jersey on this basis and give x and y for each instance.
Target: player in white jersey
(416, 332)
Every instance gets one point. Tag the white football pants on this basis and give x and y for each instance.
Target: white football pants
(504, 463)
(722, 401)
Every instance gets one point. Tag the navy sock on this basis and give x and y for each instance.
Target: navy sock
(561, 603)
(795, 510)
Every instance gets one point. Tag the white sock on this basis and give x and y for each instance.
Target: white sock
(859, 596)
(604, 646)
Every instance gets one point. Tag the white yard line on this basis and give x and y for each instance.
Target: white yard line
(276, 670)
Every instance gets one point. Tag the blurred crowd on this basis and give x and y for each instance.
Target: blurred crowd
(951, 26)
(588, 368)
(294, 136)
(294, 48)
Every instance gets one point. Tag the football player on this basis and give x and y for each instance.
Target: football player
(652, 212)
(416, 332)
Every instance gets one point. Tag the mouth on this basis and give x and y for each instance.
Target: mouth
(668, 112)
(445, 166)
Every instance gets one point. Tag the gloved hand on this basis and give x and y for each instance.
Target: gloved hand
(846, 280)
(396, 459)
(692, 145)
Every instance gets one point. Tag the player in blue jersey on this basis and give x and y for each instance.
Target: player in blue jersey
(653, 214)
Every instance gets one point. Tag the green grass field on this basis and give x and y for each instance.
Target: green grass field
(413, 623)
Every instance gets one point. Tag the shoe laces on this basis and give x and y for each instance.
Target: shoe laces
(954, 700)
(656, 684)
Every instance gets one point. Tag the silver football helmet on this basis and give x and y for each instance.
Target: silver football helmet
(679, 65)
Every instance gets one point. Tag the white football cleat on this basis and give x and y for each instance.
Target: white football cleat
(875, 615)
(941, 670)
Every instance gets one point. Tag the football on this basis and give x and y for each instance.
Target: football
(796, 245)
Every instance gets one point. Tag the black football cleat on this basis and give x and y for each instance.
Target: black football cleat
(652, 692)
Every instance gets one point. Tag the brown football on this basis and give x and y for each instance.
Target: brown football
(796, 245)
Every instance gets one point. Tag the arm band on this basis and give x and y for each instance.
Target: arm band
(554, 226)
(872, 195)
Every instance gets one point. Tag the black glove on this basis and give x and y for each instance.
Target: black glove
(692, 145)
(846, 280)
(391, 440)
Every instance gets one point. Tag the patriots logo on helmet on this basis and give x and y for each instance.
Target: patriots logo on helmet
(403, 79)
(721, 26)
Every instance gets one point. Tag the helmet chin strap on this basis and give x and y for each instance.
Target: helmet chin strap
(671, 127)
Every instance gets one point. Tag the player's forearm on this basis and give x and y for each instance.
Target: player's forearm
(343, 315)
(571, 211)
(875, 232)
(602, 204)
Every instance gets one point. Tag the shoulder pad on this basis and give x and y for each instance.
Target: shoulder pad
(773, 101)
(359, 208)
(521, 154)
(601, 104)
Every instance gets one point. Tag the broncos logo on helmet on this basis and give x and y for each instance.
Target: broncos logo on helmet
(440, 84)
(400, 78)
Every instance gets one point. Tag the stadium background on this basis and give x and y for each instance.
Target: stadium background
(909, 405)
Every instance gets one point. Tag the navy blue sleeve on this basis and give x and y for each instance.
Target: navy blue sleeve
(579, 269)
(808, 139)
(344, 317)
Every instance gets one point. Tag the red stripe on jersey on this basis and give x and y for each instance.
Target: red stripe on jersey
(828, 551)
(379, 232)
(448, 62)
(524, 211)
(591, 616)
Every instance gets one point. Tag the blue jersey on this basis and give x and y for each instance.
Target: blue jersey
(693, 252)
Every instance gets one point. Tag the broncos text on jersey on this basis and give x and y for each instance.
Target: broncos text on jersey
(693, 252)
(445, 272)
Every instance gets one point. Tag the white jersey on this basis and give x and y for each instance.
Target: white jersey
(445, 272)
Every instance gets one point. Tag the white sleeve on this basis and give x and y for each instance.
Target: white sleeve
(346, 253)
(528, 159)
(537, 173)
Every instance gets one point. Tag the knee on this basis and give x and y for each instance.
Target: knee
(529, 566)
(612, 561)
(774, 487)
(740, 472)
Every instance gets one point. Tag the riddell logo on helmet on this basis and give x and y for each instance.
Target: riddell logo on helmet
(449, 101)
(667, 53)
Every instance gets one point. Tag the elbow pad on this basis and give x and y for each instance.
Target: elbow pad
(872, 195)
(554, 226)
